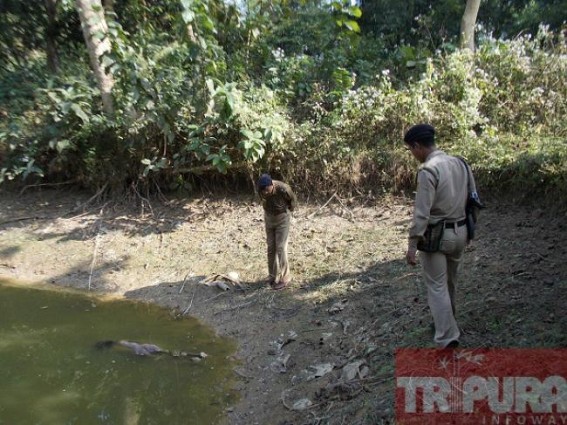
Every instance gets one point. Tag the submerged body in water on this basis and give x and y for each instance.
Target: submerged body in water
(135, 347)
(147, 349)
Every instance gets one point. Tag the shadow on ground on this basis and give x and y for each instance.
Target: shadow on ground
(353, 298)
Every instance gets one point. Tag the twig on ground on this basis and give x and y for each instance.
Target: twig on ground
(184, 280)
(388, 314)
(160, 193)
(97, 240)
(101, 212)
(216, 296)
(236, 307)
(269, 300)
(345, 208)
(191, 303)
(91, 199)
(313, 330)
(544, 259)
(317, 419)
(324, 205)
(405, 276)
(143, 200)
(23, 219)
(379, 382)
(375, 380)
(283, 400)
(239, 305)
(45, 184)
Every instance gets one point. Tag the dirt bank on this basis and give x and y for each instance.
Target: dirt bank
(352, 302)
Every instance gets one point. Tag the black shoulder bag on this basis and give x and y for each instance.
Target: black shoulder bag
(432, 237)
(473, 205)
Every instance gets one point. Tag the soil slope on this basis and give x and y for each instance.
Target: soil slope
(321, 351)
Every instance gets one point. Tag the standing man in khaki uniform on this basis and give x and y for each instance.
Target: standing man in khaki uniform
(278, 201)
(442, 191)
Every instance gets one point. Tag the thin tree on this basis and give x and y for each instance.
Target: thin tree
(52, 55)
(95, 31)
(468, 23)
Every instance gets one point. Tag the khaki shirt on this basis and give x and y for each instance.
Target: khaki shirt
(443, 183)
(282, 200)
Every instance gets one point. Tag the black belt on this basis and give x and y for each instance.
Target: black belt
(458, 224)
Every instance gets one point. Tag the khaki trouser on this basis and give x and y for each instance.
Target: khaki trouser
(277, 231)
(440, 270)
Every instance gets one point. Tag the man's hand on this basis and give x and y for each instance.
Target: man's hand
(410, 256)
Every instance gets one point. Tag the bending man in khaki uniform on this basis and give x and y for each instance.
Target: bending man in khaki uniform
(442, 192)
(278, 201)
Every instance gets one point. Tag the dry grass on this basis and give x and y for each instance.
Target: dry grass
(512, 292)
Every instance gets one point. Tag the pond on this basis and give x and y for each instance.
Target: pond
(53, 373)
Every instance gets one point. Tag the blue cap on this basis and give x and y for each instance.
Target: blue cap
(264, 181)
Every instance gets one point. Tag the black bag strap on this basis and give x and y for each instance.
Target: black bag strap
(468, 170)
(470, 189)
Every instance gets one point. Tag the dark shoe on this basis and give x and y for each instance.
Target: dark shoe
(452, 345)
(280, 285)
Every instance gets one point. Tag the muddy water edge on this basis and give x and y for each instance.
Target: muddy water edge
(53, 372)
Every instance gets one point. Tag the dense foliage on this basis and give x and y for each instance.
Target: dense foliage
(317, 93)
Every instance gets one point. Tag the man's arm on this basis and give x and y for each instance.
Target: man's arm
(291, 198)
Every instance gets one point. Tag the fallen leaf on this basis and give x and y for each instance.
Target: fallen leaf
(320, 370)
(302, 404)
(351, 371)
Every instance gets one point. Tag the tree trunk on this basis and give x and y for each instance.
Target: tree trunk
(191, 33)
(51, 48)
(468, 23)
(94, 24)
(108, 5)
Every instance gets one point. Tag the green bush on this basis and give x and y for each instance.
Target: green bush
(503, 109)
(325, 120)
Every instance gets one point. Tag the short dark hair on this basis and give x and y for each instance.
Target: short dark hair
(422, 134)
